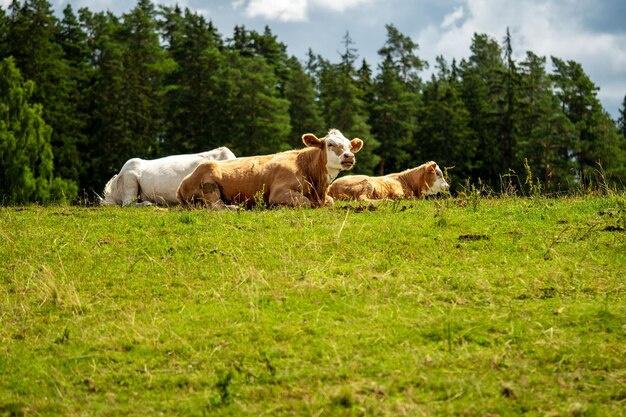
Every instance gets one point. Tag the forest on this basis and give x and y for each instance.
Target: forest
(82, 93)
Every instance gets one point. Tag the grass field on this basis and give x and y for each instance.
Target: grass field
(450, 307)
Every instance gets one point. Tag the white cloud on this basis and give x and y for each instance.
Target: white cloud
(293, 10)
(237, 3)
(338, 5)
(547, 28)
(451, 19)
(282, 10)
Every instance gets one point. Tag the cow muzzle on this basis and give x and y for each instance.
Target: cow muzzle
(347, 160)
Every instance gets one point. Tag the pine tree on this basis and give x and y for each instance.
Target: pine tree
(393, 118)
(73, 41)
(275, 54)
(483, 95)
(195, 90)
(444, 132)
(399, 49)
(4, 33)
(546, 133)
(396, 100)
(33, 43)
(303, 113)
(258, 117)
(25, 151)
(242, 42)
(509, 112)
(145, 66)
(107, 146)
(621, 119)
(597, 138)
(343, 107)
(365, 83)
(126, 94)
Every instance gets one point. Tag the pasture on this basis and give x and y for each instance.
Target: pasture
(457, 306)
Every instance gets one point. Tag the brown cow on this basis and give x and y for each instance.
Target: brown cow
(424, 180)
(292, 178)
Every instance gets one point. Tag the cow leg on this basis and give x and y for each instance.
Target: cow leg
(129, 188)
(290, 198)
(213, 198)
(366, 193)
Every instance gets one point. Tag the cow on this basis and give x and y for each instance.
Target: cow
(296, 178)
(147, 182)
(426, 179)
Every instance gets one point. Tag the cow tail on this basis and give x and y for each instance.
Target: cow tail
(109, 190)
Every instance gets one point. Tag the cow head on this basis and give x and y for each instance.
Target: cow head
(435, 182)
(339, 150)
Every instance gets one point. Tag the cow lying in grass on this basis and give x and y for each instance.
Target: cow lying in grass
(298, 178)
(155, 181)
(426, 179)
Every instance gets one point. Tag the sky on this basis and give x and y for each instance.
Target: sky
(590, 32)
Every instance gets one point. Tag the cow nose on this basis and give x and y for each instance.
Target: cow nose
(348, 155)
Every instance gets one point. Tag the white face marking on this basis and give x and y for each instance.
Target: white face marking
(439, 185)
(338, 154)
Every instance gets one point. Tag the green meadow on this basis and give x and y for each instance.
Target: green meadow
(466, 306)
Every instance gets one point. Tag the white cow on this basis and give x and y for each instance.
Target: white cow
(147, 182)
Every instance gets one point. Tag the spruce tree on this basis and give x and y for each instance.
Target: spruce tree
(303, 112)
(4, 33)
(258, 117)
(510, 80)
(275, 54)
(483, 94)
(598, 143)
(107, 130)
(343, 107)
(195, 91)
(444, 133)
(621, 119)
(33, 34)
(73, 41)
(396, 98)
(145, 66)
(546, 134)
(126, 94)
(26, 162)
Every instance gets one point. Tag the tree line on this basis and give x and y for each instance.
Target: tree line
(81, 94)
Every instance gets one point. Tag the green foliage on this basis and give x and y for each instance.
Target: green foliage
(621, 120)
(547, 135)
(393, 108)
(505, 307)
(444, 133)
(155, 82)
(303, 112)
(343, 106)
(25, 151)
(34, 34)
(597, 140)
(195, 89)
(258, 117)
(483, 93)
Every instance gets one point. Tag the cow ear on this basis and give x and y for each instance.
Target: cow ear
(355, 145)
(310, 139)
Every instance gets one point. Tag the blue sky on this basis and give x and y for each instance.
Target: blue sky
(591, 32)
